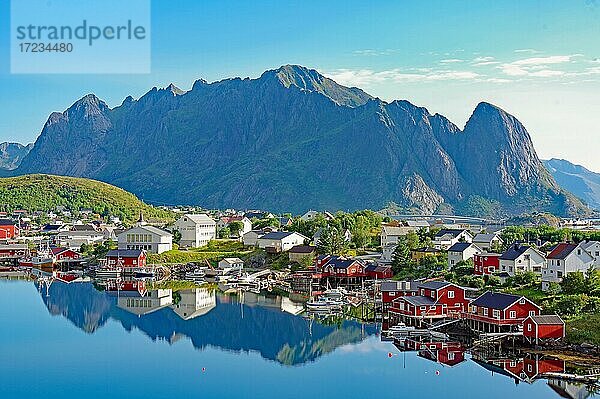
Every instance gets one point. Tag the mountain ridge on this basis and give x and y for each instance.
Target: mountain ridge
(293, 139)
(577, 179)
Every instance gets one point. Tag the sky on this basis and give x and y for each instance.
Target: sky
(538, 60)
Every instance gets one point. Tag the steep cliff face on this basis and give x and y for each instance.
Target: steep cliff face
(292, 140)
(11, 154)
(576, 179)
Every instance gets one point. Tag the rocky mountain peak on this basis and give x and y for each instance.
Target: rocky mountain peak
(310, 80)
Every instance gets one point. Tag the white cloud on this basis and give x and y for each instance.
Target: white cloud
(483, 59)
(546, 73)
(450, 61)
(527, 50)
(553, 59)
(536, 66)
(365, 77)
(373, 52)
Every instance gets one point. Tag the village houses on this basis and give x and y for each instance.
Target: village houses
(280, 241)
(488, 242)
(565, 258)
(445, 238)
(522, 258)
(461, 251)
(196, 230)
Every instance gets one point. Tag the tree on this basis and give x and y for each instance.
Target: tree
(306, 261)
(573, 283)
(592, 281)
(235, 227)
(332, 241)
(176, 236)
(360, 232)
(412, 240)
(463, 268)
(224, 232)
(401, 256)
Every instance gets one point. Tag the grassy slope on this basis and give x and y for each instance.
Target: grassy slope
(46, 192)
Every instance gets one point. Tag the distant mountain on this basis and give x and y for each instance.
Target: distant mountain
(293, 140)
(45, 193)
(11, 154)
(582, 182)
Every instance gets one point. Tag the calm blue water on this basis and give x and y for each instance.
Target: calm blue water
(77, 342)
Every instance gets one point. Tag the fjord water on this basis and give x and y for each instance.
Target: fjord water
(73, 341)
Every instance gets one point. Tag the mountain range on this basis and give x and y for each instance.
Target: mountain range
(11, 154)
(293, 140)
(580, 181)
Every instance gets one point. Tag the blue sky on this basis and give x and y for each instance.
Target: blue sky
(539, 60)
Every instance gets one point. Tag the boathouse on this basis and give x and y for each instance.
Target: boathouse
(543, 328)
(126, 258)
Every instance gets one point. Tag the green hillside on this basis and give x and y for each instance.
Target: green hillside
(46, 192)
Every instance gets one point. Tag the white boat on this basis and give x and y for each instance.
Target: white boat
(324, 303)
(106, 272)
(399, 329)
(196, 276)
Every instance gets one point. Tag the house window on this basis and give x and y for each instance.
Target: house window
(485, 311)
(496, 313)
(522, 301)
(432, 307)
(474, 309)
(423, 308)
(451, 356)
(513, 314)
(450, 294)
(392, 293)
(529, 327)
(532, 313)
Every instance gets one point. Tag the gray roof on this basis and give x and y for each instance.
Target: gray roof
(200, 218)
(154, 230)
(419, 300)
(278, 235)
(453, 232)
(481, 237)
(434, 285)
(547, 319)
(124, 253)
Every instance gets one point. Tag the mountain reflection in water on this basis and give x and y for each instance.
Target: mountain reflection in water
(208, 319)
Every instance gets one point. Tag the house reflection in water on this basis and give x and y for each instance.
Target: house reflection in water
(145, 303)
(194, 302)
(522, 369)
(446, 353)
(571, 390)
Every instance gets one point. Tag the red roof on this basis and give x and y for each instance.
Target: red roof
(561, 251)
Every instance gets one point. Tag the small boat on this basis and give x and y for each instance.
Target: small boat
(142, 273)
(37, 262)
(324, 303)
(399, 329)
(106, 272)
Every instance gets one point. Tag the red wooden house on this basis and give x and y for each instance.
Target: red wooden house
(434, 300)
(390, 290)
(64, 254)
(446, 353)
(128, 258)
(10, 250)
(378, 272)
(8, 229)
(526, 369)
(486, 263)
(543, 328)
(499, 312)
